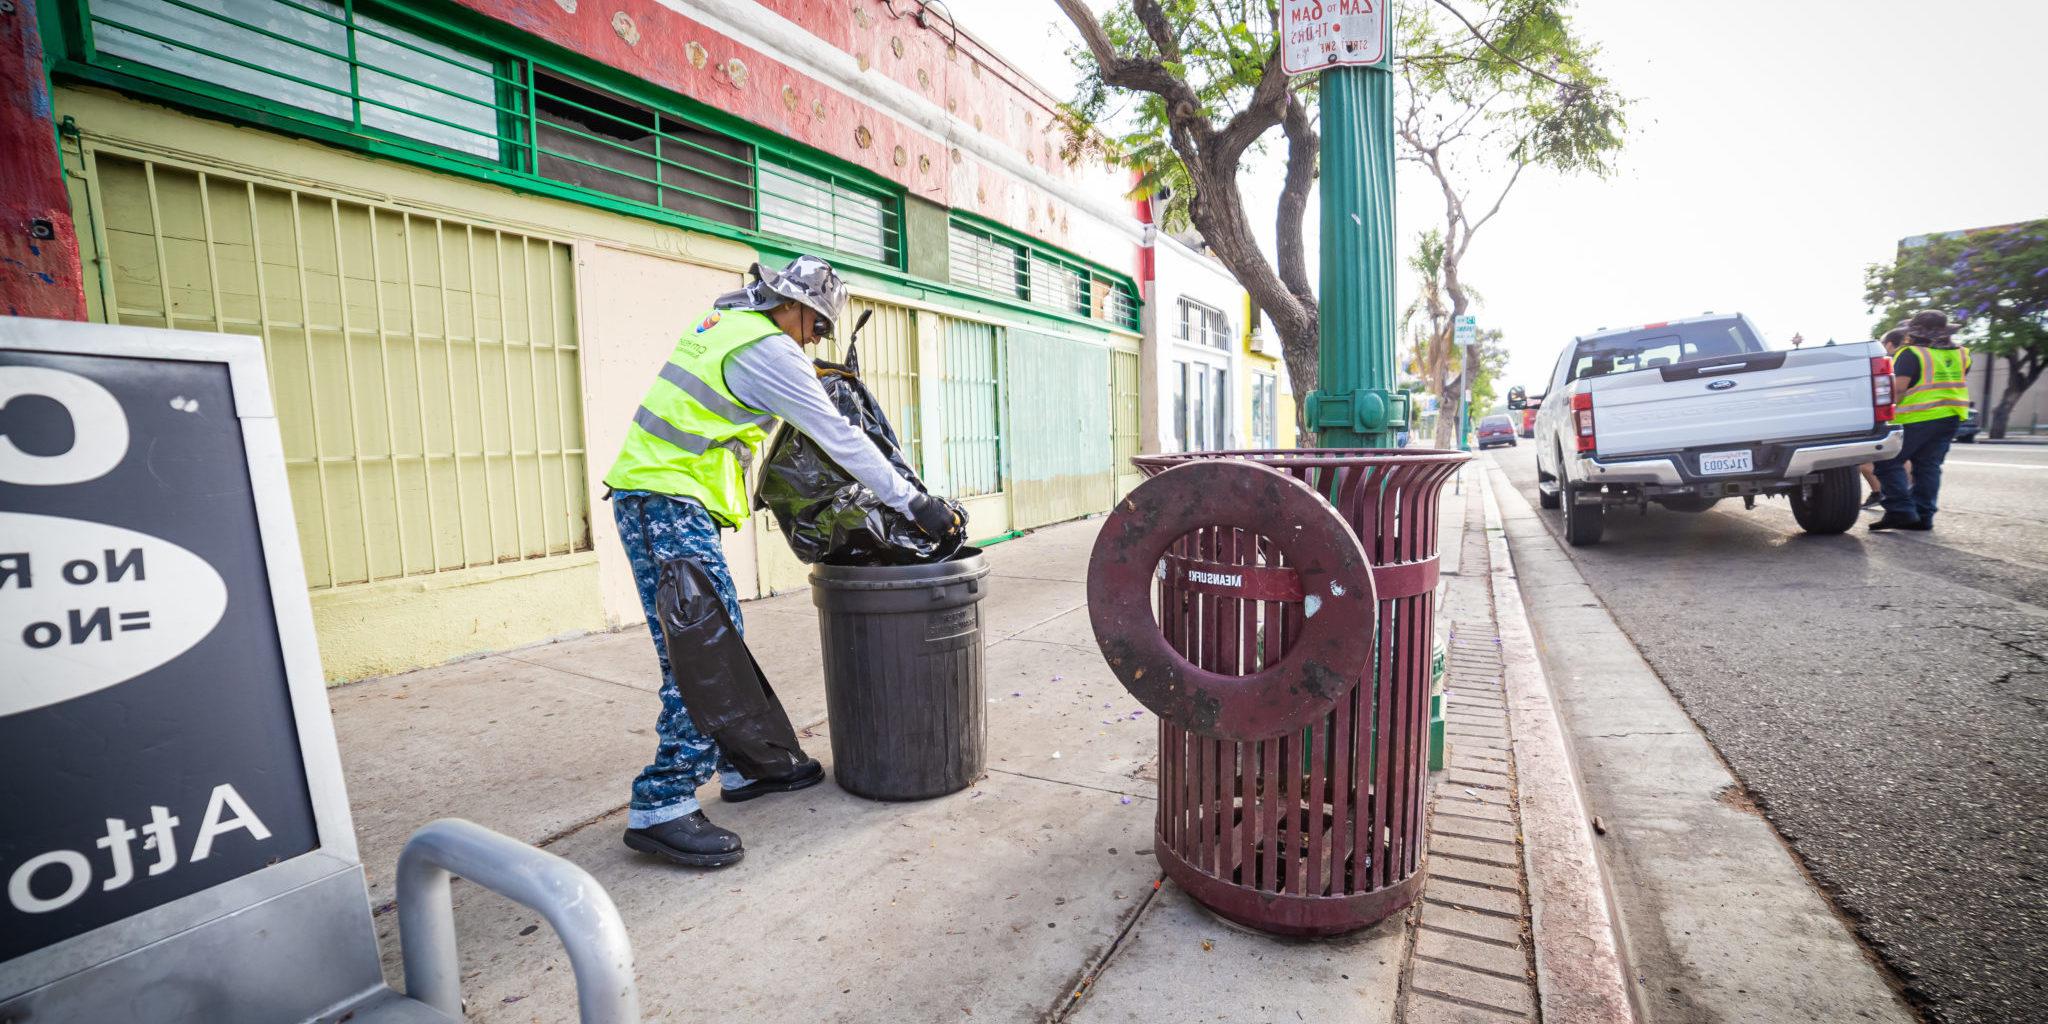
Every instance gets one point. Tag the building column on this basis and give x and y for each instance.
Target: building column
(39, 269)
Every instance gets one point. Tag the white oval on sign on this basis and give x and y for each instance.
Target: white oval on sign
(85, 606)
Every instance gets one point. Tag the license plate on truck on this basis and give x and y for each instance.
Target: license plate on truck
(1737, 461)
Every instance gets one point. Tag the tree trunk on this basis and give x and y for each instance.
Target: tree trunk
(1301, 350)
(1451, 397)
(2022, 369)
(2001, 414)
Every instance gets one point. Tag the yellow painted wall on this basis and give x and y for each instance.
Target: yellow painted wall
(396, 625)
(1284, 432)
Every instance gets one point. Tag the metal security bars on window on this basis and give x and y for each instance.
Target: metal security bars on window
(426, 370)
(988, 262)
(316, 57)
(341, 74)
(1203, 325)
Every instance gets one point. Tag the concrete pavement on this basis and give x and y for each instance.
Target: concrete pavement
(1033, 896)
(1717, 920)
(1880, 700)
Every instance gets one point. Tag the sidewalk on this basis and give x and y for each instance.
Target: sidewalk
(1033, 896)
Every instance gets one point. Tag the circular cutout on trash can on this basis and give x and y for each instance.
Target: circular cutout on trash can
(1322, 583)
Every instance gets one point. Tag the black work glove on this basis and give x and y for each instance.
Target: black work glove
(935, 518)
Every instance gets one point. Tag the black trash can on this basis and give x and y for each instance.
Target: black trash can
(903, 675)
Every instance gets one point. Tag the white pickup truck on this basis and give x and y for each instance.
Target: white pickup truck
(1688, 412)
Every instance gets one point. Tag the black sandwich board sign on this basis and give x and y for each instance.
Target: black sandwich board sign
(167, 757)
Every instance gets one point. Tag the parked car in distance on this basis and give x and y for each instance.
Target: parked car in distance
(1496, 429)
(1684, 413)
(1966, 432)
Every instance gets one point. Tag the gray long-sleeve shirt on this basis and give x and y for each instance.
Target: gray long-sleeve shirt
(774, 376)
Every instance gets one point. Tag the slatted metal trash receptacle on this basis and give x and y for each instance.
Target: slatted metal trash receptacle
(1275, 610)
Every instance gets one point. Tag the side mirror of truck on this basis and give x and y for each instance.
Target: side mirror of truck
(1517, 398)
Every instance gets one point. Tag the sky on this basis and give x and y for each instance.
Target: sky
(1776, 148)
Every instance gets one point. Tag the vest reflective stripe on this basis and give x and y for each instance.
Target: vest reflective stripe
(691, 437)
(1942, 393)
(709, 397)
(645, 419)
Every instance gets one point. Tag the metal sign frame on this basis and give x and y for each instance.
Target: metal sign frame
(1318, 20)
(263, 448)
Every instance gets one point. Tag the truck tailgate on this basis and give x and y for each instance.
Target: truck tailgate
(1733, 400)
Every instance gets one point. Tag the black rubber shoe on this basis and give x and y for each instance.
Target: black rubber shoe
(1924, 524)
(691, 839)
(804, 776)
(1874, 501)
(1894, 521)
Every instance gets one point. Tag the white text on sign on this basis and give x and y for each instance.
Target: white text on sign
(85, 606)
(1317, 34)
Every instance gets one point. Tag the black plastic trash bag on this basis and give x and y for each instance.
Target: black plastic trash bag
(828, 516)
(721, 685)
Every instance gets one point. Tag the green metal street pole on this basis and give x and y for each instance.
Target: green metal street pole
(1356, 405)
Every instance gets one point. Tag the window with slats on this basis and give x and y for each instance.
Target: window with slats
(391, 79)
(1012, 268)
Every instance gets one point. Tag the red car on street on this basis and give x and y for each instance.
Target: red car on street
(1496, 429)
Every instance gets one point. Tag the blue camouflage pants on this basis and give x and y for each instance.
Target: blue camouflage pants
(655, 528)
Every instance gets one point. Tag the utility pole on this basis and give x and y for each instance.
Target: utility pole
(1356, 405)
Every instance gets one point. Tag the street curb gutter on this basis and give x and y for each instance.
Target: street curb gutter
(1580, 973)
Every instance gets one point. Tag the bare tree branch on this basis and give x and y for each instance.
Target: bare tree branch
(1141, 73)
(1473, 228)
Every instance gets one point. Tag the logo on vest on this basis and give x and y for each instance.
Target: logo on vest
(709, 321)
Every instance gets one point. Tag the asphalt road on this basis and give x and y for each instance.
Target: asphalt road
(1885, 699)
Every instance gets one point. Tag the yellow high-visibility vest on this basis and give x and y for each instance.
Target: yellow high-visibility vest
(691, 438)
(1942, 391)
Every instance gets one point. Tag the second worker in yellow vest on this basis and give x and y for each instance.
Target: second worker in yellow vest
(1931, 381)
(681, 477)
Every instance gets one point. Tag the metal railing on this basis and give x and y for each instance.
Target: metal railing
(575, 905)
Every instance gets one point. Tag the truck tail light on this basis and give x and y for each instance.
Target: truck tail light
(1582, 419)
(1881, 388)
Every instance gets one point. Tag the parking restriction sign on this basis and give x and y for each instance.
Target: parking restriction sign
(1318, 34)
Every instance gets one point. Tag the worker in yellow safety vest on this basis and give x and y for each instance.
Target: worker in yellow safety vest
(681, 477)
(1929, 376)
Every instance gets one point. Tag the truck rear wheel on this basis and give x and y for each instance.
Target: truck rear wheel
(1583, 523)
(1829, 506)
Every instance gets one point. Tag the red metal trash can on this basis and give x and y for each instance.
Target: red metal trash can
(1275, 609)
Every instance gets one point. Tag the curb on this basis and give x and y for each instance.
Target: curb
(1581, 975)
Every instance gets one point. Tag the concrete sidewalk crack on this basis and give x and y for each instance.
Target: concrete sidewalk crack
(571, 672)
(1084, 982)
(1133, 794)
